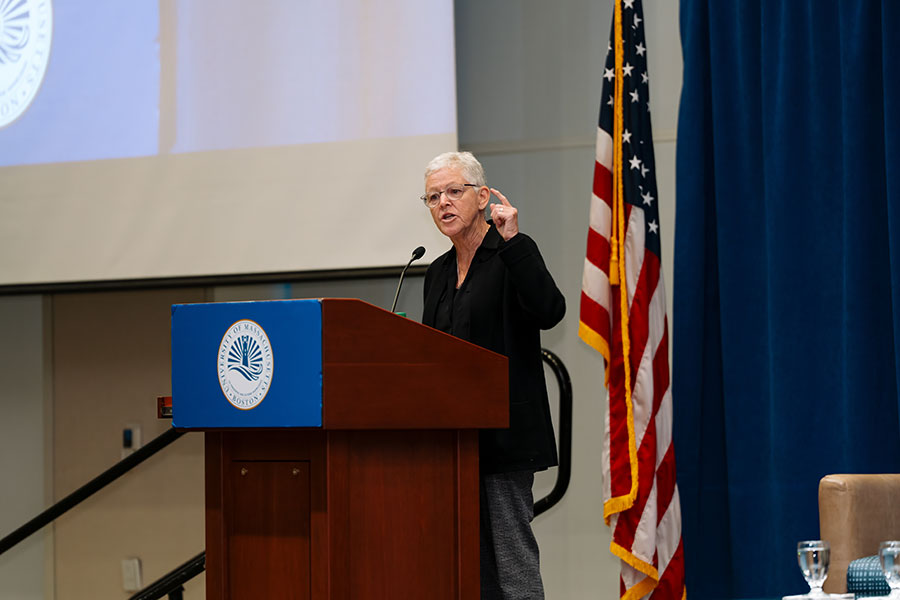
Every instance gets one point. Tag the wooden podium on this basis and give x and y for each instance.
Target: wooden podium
(381, 499)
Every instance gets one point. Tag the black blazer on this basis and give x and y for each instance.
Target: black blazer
(512, 297)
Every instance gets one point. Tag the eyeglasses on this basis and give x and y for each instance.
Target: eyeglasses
(454, 192)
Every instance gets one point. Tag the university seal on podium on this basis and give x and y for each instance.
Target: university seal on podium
(245, 364)
(26, 27)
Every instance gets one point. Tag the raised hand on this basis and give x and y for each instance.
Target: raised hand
(505, 216)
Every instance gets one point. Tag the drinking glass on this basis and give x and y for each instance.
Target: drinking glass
(814, 556)
(889, 555)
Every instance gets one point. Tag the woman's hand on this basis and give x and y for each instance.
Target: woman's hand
(505, 216)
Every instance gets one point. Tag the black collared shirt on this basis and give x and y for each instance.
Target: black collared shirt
(454, 309)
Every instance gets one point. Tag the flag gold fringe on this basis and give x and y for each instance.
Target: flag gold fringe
(645, 585)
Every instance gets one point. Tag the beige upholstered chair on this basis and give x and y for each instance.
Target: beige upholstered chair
(856, 513)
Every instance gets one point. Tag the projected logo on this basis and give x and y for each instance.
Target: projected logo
(25, 30)
(245, 364)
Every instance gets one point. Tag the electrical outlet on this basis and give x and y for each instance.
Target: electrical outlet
(131, 438)
(131, 575)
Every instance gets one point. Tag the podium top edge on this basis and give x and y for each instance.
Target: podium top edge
(287, 300)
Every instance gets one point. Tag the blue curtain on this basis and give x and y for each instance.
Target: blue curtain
(786, 331)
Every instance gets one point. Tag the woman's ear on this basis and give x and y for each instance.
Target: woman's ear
(484, 197)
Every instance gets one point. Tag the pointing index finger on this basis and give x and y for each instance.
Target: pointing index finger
(502, 198)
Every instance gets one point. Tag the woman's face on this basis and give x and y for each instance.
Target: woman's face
(454, 218)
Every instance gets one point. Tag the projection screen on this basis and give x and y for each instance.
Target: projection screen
(180, 138)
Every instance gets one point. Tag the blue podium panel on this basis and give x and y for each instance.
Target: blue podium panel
(247, 364)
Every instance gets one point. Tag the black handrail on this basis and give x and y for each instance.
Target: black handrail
(564, 472)
(92, 486)
(172, 583)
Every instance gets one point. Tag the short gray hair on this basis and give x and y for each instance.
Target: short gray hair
(464, 161)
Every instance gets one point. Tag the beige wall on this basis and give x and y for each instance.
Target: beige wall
(111, 358)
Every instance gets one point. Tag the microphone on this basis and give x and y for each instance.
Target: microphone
(416, 255)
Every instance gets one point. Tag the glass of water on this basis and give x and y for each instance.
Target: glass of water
(889, 555)
(814, 556)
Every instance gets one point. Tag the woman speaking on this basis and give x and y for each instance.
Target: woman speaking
(493, 289)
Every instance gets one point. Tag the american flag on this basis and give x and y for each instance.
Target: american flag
(623, 313)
